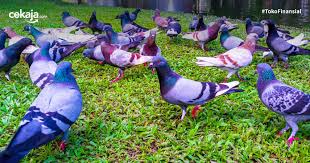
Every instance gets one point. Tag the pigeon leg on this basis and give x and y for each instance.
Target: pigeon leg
(7, 75)
(195, 111)
(230, 73)
(287, 126)
(183, 112)
(275, 61)
(119, 76)
(284, 58)
(64, 140)
(294, 127)
(238, 75)
(202, 45)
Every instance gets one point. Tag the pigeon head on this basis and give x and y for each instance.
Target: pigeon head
(63, 73)
(28, 28)
(88, 52)
(65, 14)
(137, 10)
(156, 14)
(10, 32)
(3, 37)
(248, 21)
(158, 62)
(252, 37)
(223, 28)
(151, 38)
(265, 72)
(268, 25)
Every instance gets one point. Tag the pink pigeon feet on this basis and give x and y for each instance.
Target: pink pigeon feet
(62, 146)
(279, 134)
(291, 140)
(100, 62)
(195, 111)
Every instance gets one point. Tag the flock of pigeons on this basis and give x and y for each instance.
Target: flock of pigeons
(59, 103)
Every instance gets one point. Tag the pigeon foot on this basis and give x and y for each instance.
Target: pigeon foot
(195, 111)
(291, 140)
(62, 146)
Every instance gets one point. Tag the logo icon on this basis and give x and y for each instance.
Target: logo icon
(30, 16)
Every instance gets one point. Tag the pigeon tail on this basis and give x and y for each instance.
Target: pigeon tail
(188, 36)
(228, 88)
(209, 61)
(302, 51)
(140, 59)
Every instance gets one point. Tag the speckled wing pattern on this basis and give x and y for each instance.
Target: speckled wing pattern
(286, 100)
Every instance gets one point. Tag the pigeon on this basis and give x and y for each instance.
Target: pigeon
(14, 37)
(281, 48)
(297, 41)
(233, 59)
(52, 113)
(41, 37)
(43, 68)
(229, 42)
(10, 55)
(206, 35)
(115, 38)
(184, 92)
(69, 20)
(174, 27)
(254, 28)
(291, 103)
(116, 57)
(161, 22)
(128, 26)
(193, 24)
(133, 16)
(95, 25)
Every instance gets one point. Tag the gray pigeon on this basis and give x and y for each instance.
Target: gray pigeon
(291, 103)
(70, 21)
(52, 113)
(281, 48)
(10, 56)
(43, 68)
(184, 92)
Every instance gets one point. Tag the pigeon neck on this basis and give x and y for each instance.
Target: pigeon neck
(63, 76)
(224, 35)
(272, 31)
(265, 78)
(167, 78)
(35, 33)
(124, 21)
(3, 37)
(249, 45)
(16, 49)
(44, 54)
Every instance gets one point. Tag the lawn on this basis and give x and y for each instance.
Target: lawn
(129, 121)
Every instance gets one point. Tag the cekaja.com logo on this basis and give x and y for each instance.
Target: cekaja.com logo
(30, 16)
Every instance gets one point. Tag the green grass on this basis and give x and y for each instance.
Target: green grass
(129, 121)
